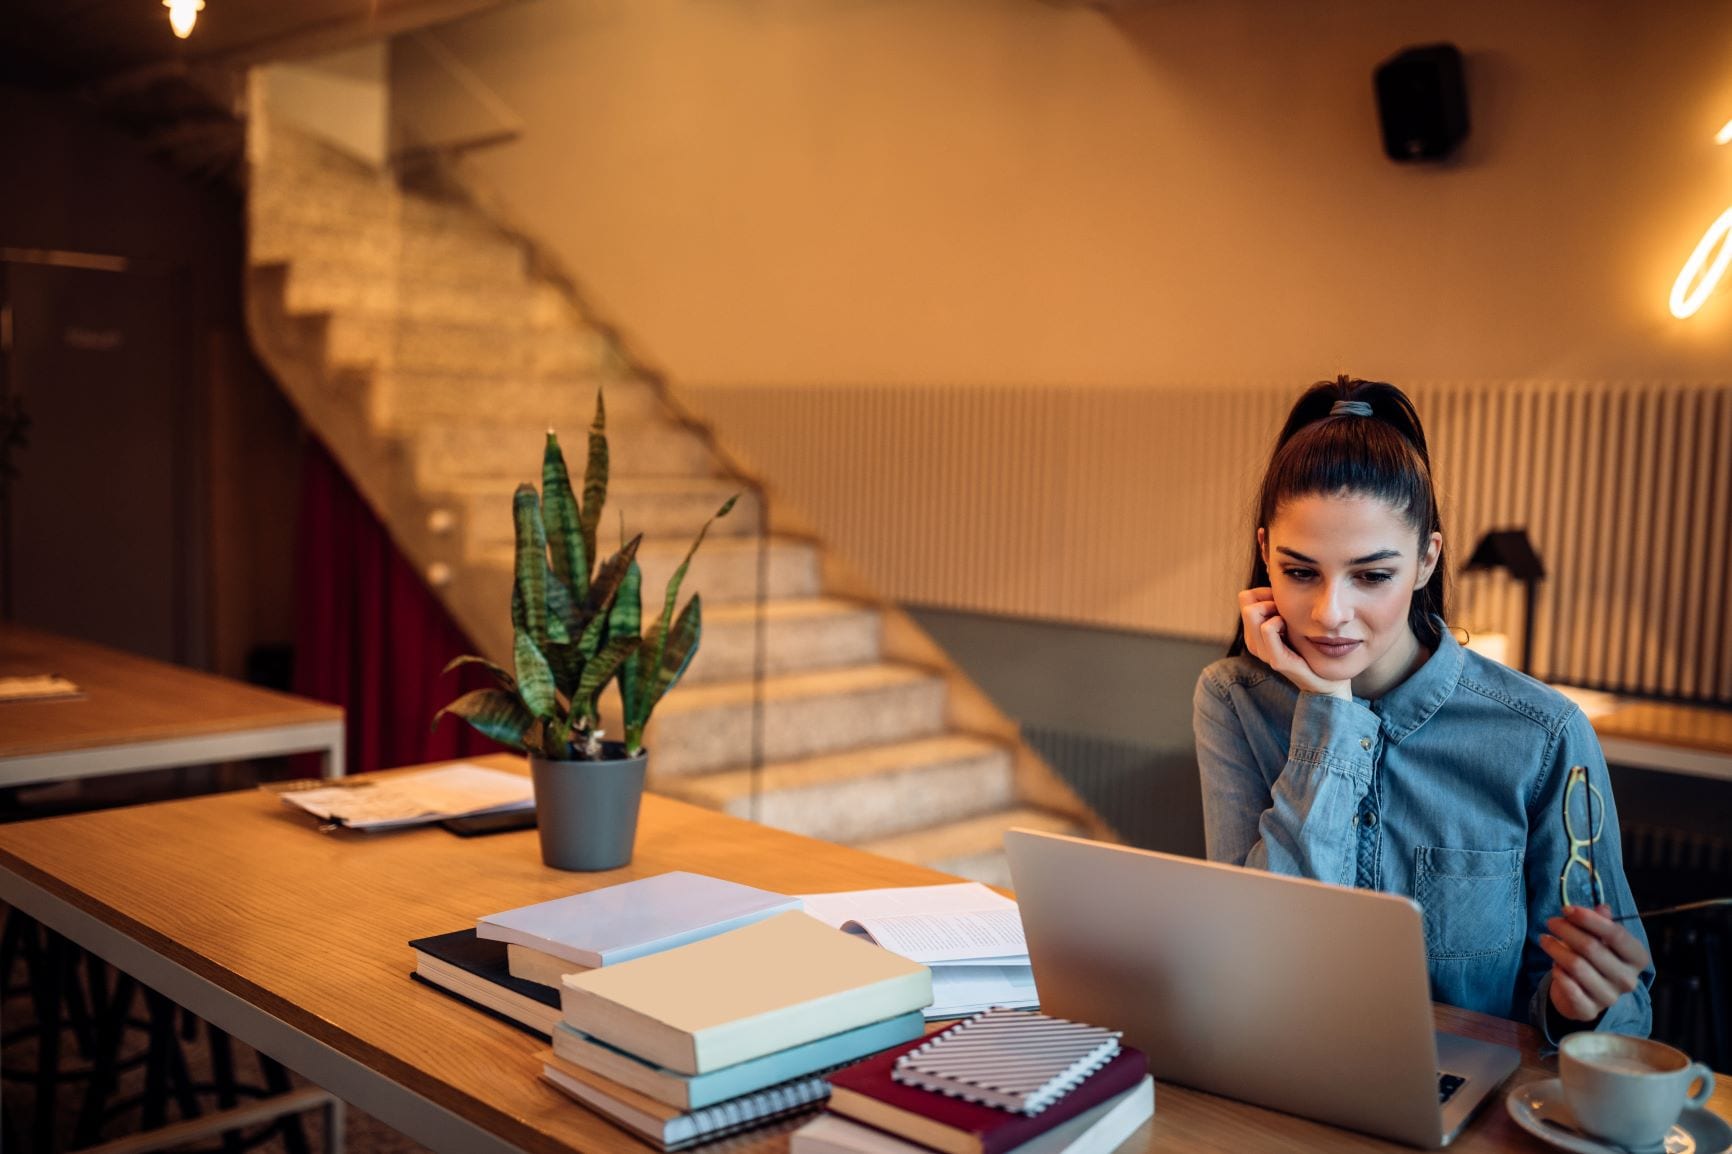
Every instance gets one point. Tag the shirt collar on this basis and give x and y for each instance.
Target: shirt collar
(1411, 704)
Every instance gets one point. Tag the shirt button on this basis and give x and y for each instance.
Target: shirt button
(1365, 743)
(1370, 820)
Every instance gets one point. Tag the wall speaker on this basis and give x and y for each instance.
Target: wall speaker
(1422, 103)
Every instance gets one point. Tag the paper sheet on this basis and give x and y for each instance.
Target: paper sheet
(960, 990)
(416, 798)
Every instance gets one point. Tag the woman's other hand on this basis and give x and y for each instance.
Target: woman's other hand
(1266, 639)
(1595, 961)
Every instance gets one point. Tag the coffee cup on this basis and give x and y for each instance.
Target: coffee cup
(1628, 1091)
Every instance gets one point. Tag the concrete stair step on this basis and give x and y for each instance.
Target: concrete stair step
(322, 199)
(706, 728)
(864, 794)
(636, 447)
(393, 252)
(401, 398)
(514, 304)
(725, 571)
(662, 509)
(815, 633)
(434, 347)
(972, 848)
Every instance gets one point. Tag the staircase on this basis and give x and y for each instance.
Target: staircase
(418, 341)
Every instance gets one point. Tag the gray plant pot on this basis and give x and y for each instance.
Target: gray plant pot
(586, 811)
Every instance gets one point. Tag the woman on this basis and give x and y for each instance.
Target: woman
(1349, 738)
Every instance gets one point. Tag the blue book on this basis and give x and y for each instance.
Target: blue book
(621, 922)
(693, 1091)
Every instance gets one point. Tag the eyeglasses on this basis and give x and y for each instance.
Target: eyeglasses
(1584, 820)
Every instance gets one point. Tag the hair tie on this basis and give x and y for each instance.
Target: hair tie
(1350, 409)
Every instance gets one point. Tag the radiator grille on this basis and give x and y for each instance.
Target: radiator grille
(1128, 508)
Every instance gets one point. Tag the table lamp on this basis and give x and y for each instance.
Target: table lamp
(1510, 549)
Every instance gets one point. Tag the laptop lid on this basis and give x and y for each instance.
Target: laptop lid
(1291, 994)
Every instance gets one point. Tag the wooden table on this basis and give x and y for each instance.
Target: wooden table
(137, 713)
(1692, 739)
(295, 942)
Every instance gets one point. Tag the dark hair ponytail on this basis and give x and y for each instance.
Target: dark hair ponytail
(1381, 455)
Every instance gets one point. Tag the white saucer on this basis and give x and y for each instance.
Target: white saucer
(1537, 1103)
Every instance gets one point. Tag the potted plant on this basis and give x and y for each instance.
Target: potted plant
(576, 628)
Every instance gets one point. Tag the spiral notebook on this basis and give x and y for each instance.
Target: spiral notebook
(1016, 1060)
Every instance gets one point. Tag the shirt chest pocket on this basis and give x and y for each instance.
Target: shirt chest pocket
(1472, 899)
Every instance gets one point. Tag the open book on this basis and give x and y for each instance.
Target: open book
(969, 935)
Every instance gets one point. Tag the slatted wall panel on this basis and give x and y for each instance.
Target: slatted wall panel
(1128, 508)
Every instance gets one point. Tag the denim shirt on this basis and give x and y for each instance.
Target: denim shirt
(1447, 790)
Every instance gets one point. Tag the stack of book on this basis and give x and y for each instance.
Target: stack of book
(728, 1032)
(511, 963)
(1002, 1081)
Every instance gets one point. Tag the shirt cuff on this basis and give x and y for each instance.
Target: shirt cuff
(1335, 732)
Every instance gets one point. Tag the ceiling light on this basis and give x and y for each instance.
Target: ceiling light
(182, 14)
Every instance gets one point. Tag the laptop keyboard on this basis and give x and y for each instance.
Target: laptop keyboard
(1447, 1085)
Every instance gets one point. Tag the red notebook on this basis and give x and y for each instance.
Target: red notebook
(866, 1092)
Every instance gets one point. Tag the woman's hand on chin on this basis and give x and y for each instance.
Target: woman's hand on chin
(1266, 639)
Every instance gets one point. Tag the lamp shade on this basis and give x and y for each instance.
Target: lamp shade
(1507, 549)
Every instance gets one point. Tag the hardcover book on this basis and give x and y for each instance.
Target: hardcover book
(691, 1091)
(772, 985)
(473, 970)
(633, 919)
(1098, 1130)
(669, 1127)
(867, 1093)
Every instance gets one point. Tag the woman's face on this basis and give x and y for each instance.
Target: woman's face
(1343, 569)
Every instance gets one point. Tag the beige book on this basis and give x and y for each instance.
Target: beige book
(753, 991)
(539, 966)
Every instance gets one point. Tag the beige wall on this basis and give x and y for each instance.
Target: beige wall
(340, 96)
(1017, 191)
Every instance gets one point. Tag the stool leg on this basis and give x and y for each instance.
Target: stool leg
(222, 1063)
(157, 1061)
(12, 946)
(46, 983)
(277, 1079)
(110, 1010)
(180, 1075)
(336, 1118)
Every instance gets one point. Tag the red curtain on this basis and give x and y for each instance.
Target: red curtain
(369, 635)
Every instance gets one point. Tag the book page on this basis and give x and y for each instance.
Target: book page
(838, 909)
(978, 936)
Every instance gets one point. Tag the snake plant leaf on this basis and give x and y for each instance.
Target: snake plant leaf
(602, 667)
(682, 645)
(531, 567)
(560, 519)
(535, 678)
(592, 636)
(673, 590)
(559, 608)
(608, 578)
(625, 619)
(594, 477)
(566, 659)
(501, 677)
(495, 713)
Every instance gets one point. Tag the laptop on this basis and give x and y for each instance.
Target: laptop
(1302, 997)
